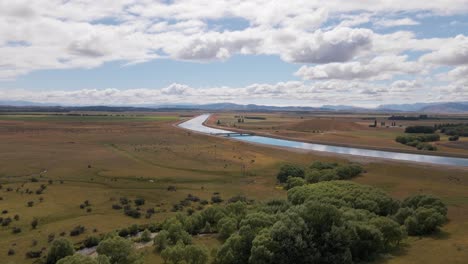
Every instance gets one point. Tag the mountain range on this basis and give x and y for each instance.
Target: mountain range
(442, 107)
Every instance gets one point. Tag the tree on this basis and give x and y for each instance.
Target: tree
(91, 241)
(145, 236)
(289, 170)
(392, 232)
(34, 223)
(174, 254)
(424, 221)
(81, 259)
(60, 248)
(161, 240)
(119, 251)
(226, 227)
(294, 182)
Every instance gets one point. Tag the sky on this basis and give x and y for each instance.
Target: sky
(274, 52)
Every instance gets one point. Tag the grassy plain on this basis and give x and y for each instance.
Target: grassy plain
(342, 129)
(100, 161)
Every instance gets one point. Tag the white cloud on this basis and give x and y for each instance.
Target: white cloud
(379, 68)
(55, 34)
(453, 52)
(396, 22)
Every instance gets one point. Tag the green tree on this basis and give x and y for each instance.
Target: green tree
(294, 182)
(289, 170)
(145, 236)
(81, 259)
(392, 232)
(119, 251)
(424, 221)
(60, 248)
(226, 227)
(161, 240)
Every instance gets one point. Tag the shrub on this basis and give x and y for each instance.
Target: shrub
(132, 212)
(60, 248)
(77, 230)
(454, 138)
(161, 240)
(118, 250)
(424, 221)
(116, 206)
(91, 241)
(6, 221)
(11, 252)
(123, 232)
(34, 254)
(420, 129)
(139, 201)
(294, 182)
(145, 236)
(34, 223)
(289, 170)
(216, 199)
(16, 230)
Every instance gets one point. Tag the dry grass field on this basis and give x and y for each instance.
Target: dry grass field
(101, 159)
(341, 129)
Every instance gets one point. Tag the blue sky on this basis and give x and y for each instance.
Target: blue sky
(130, 52)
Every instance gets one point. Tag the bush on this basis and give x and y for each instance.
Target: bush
(77, 230)
(91, 241)
(454, 138)
(294, 182)
(34, 254)
(34, 223)
(145, 236)
(60, 248)
(132, 212)
(81, 259)
(424, 221)
(118, 250)
(139, 201)
(116, 206)
(289, 170)
(420, 129)
(11, 252)
(16, 230)
(161, 240)
(216, 199)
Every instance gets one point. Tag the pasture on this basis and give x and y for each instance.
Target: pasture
(103, 158)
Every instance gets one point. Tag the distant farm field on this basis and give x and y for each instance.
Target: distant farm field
(341, 129)
(142, 156)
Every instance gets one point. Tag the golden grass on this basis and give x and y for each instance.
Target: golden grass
(140, 159)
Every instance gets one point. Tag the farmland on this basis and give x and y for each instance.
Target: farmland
(101, 159)
(342, 129)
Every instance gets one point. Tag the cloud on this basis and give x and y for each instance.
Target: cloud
(338, 45)
(453, 52)
(379, 68)
(396, 22)
(282, 93)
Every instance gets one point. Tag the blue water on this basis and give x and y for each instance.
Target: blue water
(196, 124)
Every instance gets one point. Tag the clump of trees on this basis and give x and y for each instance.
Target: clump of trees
(292, 175)
(420, 141)
(420, 129)
(460, 130)
(60, 248)
(289, 170)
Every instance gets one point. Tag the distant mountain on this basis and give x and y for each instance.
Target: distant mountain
(442, 107)
(461, 107)
(23, 103)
